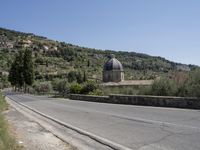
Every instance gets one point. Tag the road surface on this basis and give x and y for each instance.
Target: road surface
(135, 127)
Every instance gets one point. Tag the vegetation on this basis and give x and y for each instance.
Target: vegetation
(161, 87)
(61, 86)
(186, 86)
(66, 68)
(21, 72)
(127, 90)
(6, 141)
(28, 71)
(76, 76)
(55, 59)
(191, 86)
(42, 87)
(76, 88)
(4, 83)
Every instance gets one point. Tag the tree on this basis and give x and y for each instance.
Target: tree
(20, 69)
(12, 78)
(84, 77)
(22, 72)
(71, 76)
(28, 69)
(16, 76)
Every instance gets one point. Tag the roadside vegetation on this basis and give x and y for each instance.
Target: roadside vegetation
(21, 73)
(54, 59)
(43, 66)
(183, 85)
(22, 78)
(6, 141)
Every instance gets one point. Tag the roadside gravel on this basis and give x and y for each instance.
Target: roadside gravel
(30, 135)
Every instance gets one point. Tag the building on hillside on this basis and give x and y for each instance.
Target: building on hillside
(113, 71)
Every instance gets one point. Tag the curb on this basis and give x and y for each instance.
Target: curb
(99, 139)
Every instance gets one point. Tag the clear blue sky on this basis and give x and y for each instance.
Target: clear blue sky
(167, 28)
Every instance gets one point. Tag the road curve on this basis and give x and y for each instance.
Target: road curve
(136, 127)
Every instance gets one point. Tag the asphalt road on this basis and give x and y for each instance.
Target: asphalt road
(136, 127)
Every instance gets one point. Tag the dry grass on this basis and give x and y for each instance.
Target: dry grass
(6, 141)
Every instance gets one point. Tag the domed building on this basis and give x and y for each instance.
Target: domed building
(113, 71)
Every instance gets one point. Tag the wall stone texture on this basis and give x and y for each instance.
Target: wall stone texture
(160, 101)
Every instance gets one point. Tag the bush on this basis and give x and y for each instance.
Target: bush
(161, 87)
(97, 92)
(127, 90)
(75, 76)
(89, 87)
(191, 87)
(42, 87)
(61, 86)
(76, 88)
(4, 82)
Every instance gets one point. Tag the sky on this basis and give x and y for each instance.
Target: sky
(166, 28)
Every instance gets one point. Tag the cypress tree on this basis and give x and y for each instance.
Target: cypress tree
(12, 74)
(16, 76)
(22, 72)
(20, 69)
(28, 68)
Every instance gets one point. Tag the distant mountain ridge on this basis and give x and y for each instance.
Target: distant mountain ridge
(55, 59)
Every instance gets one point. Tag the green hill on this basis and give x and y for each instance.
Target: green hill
(57, 59)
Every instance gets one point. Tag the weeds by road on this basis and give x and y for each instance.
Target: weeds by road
(6, 141)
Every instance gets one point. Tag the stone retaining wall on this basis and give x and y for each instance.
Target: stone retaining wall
(161, 101)
(101, 99)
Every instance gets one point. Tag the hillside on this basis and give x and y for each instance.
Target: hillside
(57, 59)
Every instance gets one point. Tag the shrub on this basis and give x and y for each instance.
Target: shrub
(127, 90)
(76, 88)
(164, 87)
(191, 87)
(89, 87)
(97, 92)
(42, 87)
(161, 87)
(4, 82)
(76, 76)
(61, 86)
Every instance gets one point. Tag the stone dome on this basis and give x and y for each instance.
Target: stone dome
(113, 65)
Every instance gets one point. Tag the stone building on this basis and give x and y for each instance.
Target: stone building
(113, 71)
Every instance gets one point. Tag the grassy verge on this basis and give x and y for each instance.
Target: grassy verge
(6, 141)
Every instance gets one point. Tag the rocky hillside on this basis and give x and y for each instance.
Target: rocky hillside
(56, 59)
